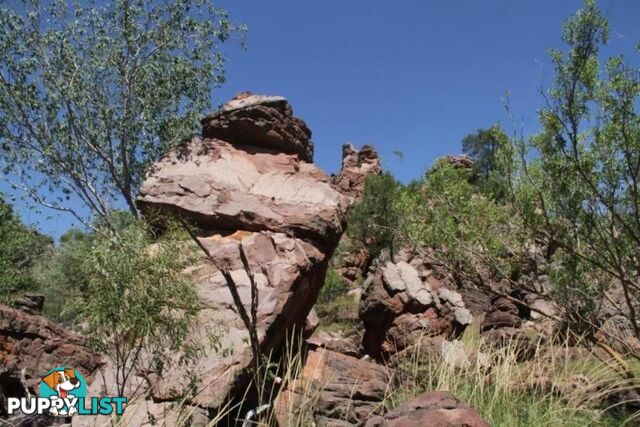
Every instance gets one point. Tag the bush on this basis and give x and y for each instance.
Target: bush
(140, 301)
(374, 220)
(20, 248)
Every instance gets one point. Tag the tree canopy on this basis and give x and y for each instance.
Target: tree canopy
(20, 247)
(92, 93)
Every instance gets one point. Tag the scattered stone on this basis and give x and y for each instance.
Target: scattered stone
(433, 409)
(32, 345)
(30, 303)
(504, 314)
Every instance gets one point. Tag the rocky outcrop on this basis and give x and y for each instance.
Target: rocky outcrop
(433, 409)
(260, 121)
(30, 345)
(356, 166)
(249, 186)
(345, 391)
(403, 301)
(353, 258)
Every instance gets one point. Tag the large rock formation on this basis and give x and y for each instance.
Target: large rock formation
(249, 186)
(405, 300)
(30, 346)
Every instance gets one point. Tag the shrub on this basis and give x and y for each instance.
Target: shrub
(140, 303)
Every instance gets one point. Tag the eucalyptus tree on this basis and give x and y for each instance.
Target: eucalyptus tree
(578, 181)
(91, 93)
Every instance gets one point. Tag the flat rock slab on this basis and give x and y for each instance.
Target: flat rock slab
(222, 186)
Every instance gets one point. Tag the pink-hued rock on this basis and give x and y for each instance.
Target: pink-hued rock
(247, 184)
(225, 187)
(433, 409)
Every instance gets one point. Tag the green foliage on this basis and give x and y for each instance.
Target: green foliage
(483, 147)
(465, 227)
(333, 287)
(92, 93)
(141, 303)
(445, 211)
(20, 247)
(61, 276)
(336, 309)
(575, 184)
(374, 220)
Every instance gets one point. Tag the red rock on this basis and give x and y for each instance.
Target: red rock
(343, 389)
(260, 121)
(356, 166)
(33, 343)
(433, 409)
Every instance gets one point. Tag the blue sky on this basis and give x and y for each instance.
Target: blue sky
(415, 75)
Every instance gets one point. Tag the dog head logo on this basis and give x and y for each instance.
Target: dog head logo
(63, 386)
(62, 382)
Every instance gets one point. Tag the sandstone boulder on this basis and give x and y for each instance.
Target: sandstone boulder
(433, 409)
(345, 391)
(226, 188)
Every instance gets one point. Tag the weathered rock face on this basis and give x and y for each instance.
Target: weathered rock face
(356, 166)
(247, 184)
(345, 390)
(433, 409)
(225, 187)
(260, 121)
(33, 344)
(404, 300)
